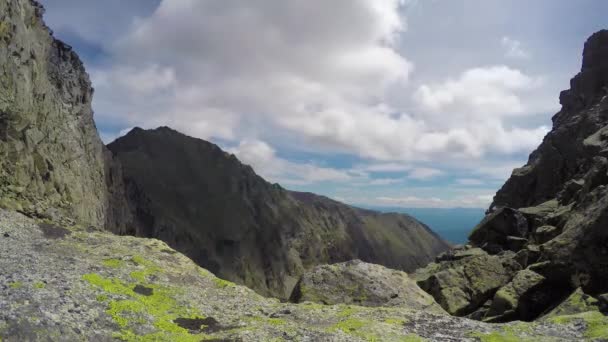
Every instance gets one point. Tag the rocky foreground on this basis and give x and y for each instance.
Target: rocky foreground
(75, 283)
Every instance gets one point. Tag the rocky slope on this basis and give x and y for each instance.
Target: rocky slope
(52, 162)
(545, 235)
(76, 284)
(206, 204)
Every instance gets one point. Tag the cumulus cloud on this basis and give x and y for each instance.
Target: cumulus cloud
(513, 48)
(491, 91)
(265, 161)
(319, 72)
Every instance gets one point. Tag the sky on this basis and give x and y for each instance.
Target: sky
(397, 103)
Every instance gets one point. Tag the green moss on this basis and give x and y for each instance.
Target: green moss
(346, 311)
(3, 29)
(221, 283)
(349, 325)
(101, 298)
(395, 321)
(596, 323)
(160, 307)
(510, 333)
(413, 338)
(39, 285)
(15, 285)
(10, 204)
(148, 268)
(113, 263)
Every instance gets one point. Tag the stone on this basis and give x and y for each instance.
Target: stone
(511, 301)
(515, 243)
(603, 302)
(359, 283)
(462, 286)
(545, 233)
(577, 302)
(493, 232)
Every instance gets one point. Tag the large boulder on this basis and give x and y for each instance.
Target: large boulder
(462, 286)
(501, 230)
(356, 282)
(577, 302)
(515, 299)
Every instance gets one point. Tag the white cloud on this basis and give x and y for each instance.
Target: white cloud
(513, 48)
(469, 181)
(424, 173)
(474, 201)
(385, 181)
(266, 163)
(265, 70)
(491, 91)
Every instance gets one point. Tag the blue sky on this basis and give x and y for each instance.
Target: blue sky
(384, 103)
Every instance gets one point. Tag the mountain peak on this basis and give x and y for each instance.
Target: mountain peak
(595, 54)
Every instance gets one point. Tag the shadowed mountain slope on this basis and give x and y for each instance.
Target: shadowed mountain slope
(208, 205)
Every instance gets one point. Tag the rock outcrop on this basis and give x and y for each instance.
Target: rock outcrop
(206, 204)
(52, 161)
(72, 284)
(359, 283)
(551, 215)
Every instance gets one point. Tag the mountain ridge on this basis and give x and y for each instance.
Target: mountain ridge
(228, 219)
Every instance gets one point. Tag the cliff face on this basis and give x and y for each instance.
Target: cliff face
(208, 205)
(548, 222)
(52, 162)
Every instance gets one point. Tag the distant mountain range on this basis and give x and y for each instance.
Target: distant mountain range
(452, 224)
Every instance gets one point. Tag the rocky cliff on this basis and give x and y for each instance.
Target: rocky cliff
(206, 204)
(545, 234)
(52, 162)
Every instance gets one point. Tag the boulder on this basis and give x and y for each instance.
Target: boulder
(512, 300)
(603, 302)
(577, 302)
(493, 232)
(546, 233)
(462, 286)
(359, 283)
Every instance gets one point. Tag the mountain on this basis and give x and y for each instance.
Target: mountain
(451, 224)
(545, 236)
(206, 204)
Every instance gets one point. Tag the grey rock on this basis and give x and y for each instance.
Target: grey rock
(514, 300)
(493, 233)
(462, 286)
(101, 271)
(359, 283)
(545, 233)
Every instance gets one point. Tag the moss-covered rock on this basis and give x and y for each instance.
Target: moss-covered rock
(463, 285)
(512, 301)
(359, 283)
